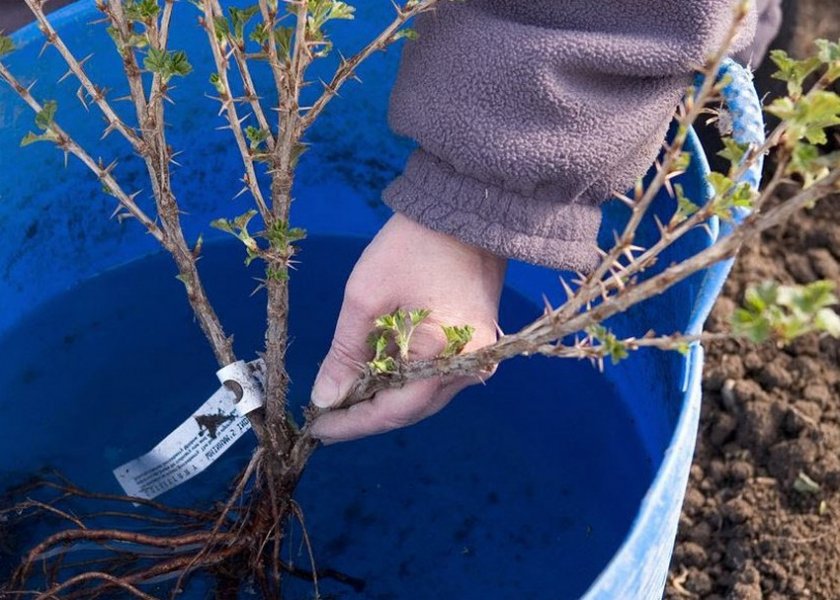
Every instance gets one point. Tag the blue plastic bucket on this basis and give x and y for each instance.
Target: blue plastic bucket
(553, 480)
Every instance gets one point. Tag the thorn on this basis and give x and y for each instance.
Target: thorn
(67, 74)
(669, 187)
(618, 282)
(499, 330)
(624, 199)
(80, 94)
(662, 229)
(605, 295)
(619, 267)
(262, 285)
(108, 130)
(547, 305)
(566, 288)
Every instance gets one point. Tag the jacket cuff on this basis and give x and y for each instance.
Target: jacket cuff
(552, 233)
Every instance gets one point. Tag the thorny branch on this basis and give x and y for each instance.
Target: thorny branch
(211, 9)
(551, 327)
(66, 143)
(93, 91)
(348, 67)
(252, 535)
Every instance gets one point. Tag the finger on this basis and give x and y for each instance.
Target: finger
(389, 410)
(347, 355)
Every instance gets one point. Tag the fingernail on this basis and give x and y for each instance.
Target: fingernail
(325, 392)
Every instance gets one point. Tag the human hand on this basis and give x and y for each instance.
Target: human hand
(411, 267)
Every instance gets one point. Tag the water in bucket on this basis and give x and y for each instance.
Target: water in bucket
(526, 484)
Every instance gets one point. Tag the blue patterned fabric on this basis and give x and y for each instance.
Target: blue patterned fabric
(743, 107)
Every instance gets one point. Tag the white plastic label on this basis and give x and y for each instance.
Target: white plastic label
(247, 382)
(199, 440)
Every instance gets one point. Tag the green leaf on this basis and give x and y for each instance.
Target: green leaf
(44, 118)
(238, 227)
(418, 316)
(223, 225)
(399, 326)
(809, 116)
(812, 297)
(221, 28)
(241, 222)
(31, 138)
(322, 11)
(7, 46)
(685, 207)
(721, 184)
(256, 136)
(167, 64)
(239, 17)
(280, 236)
(792, 71)
(260, 33)
(283, 39)
(729, 195)
(828, 321)
(804, 161)
(787, 311)
(216, 82)
(381, 362)
(407, 33)
(610, 344)
(827, 52)
(755, 328)
(277, 273)
(457, 337)
(143, 11)
(733, 151)
(384, 366)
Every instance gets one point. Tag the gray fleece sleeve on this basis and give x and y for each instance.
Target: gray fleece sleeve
(530, 113)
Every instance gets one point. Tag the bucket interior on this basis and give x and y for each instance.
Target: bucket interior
(530, 483)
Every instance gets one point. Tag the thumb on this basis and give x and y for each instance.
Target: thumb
(347, 355)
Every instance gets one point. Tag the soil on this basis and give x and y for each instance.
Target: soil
(752, 526)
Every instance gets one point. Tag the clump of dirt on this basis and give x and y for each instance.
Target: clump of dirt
(761, 519)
